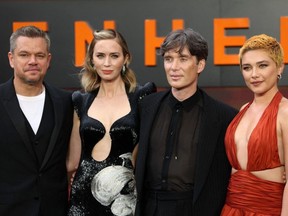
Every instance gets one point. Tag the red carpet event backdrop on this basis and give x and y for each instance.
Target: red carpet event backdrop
(225, 24)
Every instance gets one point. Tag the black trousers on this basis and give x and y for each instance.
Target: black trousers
(168, 203)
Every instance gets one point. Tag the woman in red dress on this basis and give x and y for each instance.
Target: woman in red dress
(257, 139)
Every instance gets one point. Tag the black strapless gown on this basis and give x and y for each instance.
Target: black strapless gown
(107, 187)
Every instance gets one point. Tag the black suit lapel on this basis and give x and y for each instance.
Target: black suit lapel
(148, 112)
(13, 109)
(58, 113)
(206, 146)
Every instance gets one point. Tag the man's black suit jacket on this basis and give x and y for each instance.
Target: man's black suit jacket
(25, 186)
(212, 166)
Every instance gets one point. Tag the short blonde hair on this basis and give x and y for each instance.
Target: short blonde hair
(266, 43)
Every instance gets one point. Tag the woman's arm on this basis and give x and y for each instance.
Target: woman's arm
(134, 155)
(74, 150)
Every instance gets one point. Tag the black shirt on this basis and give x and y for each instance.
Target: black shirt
(173, 141)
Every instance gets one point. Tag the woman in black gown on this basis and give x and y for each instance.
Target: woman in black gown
(105, 131)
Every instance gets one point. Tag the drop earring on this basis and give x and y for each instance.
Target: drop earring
(123, 72)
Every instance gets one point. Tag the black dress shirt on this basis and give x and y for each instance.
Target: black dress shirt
(173, 141)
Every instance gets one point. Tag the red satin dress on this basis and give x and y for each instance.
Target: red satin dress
(248, 195)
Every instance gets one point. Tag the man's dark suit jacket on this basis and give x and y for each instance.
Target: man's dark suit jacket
(26, 186)
(212, 166)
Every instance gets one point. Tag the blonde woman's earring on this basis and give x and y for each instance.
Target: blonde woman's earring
(279, 76)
